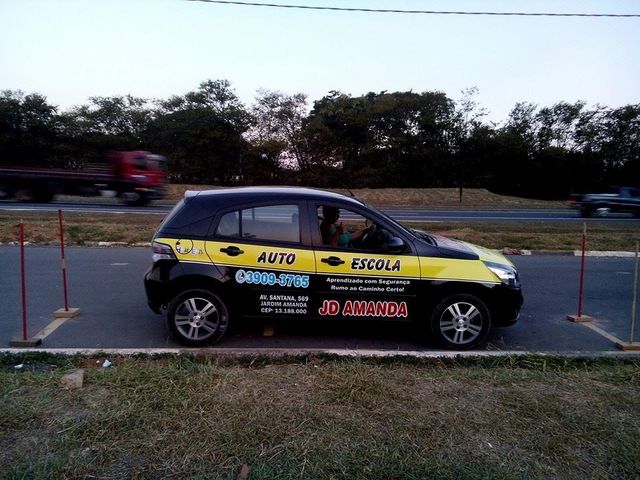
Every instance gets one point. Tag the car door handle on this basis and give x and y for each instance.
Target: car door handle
(333, 261)
(232, 251)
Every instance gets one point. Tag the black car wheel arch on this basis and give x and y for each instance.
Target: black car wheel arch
(198, 317)
(460, 322)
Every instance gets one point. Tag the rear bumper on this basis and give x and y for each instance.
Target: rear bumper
(156, 287)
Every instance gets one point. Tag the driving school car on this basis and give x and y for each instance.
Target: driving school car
(255, 252)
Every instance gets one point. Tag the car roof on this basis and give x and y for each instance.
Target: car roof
(243, 194)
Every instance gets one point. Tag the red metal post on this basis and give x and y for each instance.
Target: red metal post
(24, 284)
(581, 292)
(64, 263)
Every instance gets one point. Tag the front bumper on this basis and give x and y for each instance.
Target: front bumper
(506, 304)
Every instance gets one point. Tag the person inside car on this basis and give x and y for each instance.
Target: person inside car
(334, 234)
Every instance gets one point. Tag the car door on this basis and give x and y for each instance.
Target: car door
(359, 280)
(261, 250)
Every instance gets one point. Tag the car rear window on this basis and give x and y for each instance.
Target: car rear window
(275, 223)
(187, 219)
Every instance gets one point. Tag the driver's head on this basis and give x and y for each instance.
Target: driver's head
(330, 214)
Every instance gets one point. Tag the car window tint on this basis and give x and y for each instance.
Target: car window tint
(342, 228)
(229, 225)
(330, 219)
(280, 223)
(192, 219)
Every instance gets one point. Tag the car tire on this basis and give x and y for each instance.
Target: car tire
(43, 195)
(460, 322)
(198, 317)
(134, 199)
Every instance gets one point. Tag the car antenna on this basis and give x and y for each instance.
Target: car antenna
(351, 194)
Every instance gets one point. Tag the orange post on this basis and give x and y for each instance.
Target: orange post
(65, 312)
(64, 263)
(581, 288)
(23, 275)
(580, 317)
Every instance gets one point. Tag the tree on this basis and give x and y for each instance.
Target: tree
(121, 116)
(201, 134)
(107, 123)
(29, 128)
(384, 139)
(278, 127)
(471, 141)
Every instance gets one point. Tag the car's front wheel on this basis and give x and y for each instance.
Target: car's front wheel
(197, 317)
(460, 322)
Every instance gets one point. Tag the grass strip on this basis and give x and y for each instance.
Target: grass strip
(84, 228)
(381, 197)
(320, 417)
(415, 197)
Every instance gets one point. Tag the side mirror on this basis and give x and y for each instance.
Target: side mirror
(395, 245)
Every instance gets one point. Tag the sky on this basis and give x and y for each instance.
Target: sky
(70, 50)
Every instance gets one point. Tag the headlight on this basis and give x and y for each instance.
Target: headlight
(508, 275)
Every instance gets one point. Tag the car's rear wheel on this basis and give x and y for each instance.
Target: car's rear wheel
(135, 199)
(198, 317)
(460, 322)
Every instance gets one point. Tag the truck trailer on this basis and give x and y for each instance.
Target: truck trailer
(136, 177)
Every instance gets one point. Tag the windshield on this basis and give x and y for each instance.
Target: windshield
(427, 237)
(389, 219)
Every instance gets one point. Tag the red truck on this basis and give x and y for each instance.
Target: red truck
(137, 177)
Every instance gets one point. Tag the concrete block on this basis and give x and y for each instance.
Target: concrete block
(628, 347)
(73, 380)
(62, 313)
(579, 319)
(28, 343)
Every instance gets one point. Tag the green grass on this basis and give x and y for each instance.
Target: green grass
(83, 228)
(553, 236)
(415, 197)
(311, 417)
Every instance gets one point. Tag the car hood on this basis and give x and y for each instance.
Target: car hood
(487, 255)
(484, 254)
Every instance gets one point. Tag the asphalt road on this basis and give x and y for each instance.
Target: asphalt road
(106, 284)
(400, 214)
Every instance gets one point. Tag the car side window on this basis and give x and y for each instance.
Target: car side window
(342, 228)
(274, 223)
(229, 225)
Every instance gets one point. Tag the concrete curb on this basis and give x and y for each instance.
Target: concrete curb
(283, 352)
(571, 253)
(86, 244)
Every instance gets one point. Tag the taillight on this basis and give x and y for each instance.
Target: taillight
(162, 252)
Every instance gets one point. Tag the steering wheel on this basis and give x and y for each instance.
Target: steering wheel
(371, 229)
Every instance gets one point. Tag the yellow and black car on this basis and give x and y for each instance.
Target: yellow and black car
(254, 252)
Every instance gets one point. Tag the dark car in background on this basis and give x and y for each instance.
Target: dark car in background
(622, 200)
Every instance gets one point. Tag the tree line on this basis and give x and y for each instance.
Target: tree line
(385, 139)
